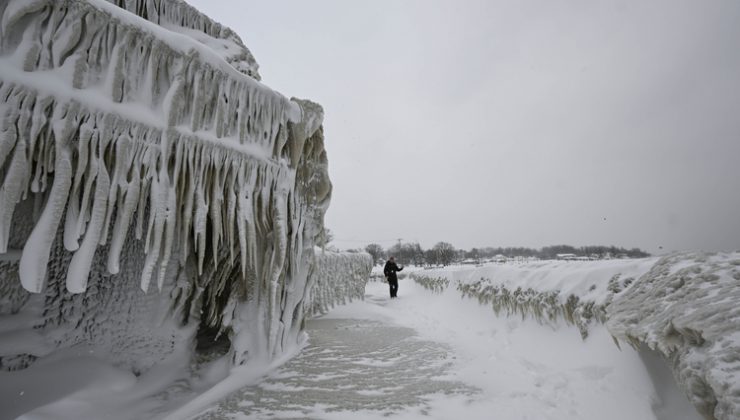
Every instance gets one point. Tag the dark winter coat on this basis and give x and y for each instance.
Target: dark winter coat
(390, 270)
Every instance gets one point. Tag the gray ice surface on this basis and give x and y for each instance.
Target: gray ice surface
(350, 365)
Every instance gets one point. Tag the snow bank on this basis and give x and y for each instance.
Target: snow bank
(548, 291)
(150, 186)
(685, 306)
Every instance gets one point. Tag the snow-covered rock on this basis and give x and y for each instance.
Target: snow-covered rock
(685, 306)
(150, 185)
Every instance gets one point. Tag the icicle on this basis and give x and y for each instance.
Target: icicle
(199, 223)
(187, 207)
(32, 268)
(79, 267)
(243, 207)
(169, 234)
(11, 191)
(123, 219)
(230, 198)
(166, 144)
(121, 164)
(215, 205)
(72, 228)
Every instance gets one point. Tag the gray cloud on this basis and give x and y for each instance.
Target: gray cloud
(516, 123)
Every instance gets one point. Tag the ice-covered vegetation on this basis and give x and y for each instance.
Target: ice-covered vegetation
(152, 188)
(433, 284)
(684, 306)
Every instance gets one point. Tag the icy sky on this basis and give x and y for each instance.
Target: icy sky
(517, 123)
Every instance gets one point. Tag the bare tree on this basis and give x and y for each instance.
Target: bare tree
(376, 251)
(445, 253)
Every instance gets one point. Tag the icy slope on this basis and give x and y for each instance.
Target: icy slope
(684, 306)
(149, 186)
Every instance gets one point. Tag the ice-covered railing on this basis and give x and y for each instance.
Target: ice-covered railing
(337, 278)
(130, 152)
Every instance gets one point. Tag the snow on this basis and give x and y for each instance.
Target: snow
(684, 306)
(585, 279)
(517, 369)
(523, 369)
(138, 148)
(686, 309)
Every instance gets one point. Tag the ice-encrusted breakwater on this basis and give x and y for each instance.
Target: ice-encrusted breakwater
(337, 278)
(684, 306)
(150, 186)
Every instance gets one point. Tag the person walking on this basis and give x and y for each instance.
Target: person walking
(390, 270)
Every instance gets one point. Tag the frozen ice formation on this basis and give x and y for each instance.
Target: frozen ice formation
(180, 17)
(150, 185)
(338, 278)
(685, 306)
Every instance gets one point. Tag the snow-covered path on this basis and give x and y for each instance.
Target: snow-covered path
(428, 355)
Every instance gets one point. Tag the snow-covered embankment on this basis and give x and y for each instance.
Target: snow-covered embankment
(684, 307)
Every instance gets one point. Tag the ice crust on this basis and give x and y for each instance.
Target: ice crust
(152, 183)
(684, 306)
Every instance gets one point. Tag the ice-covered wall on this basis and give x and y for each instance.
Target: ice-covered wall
(337, 278)
(685, 306)
(149, 184)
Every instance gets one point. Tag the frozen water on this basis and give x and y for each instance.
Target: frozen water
(350, 367)
(154, 186)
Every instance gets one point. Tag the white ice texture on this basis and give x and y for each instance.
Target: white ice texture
(684, 306)
(339, 278)
(149, 184)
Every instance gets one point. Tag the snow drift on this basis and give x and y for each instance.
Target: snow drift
(683, 306)
(151, 187)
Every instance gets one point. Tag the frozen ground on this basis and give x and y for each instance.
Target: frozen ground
(429, 355)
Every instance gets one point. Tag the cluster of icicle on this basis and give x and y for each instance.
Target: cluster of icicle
(177, 13)
(116, 124)
(687, 307)
(337, 278)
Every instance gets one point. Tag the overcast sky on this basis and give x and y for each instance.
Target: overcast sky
(515, 123)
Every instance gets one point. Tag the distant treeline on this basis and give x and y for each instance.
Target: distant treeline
(445, 253)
